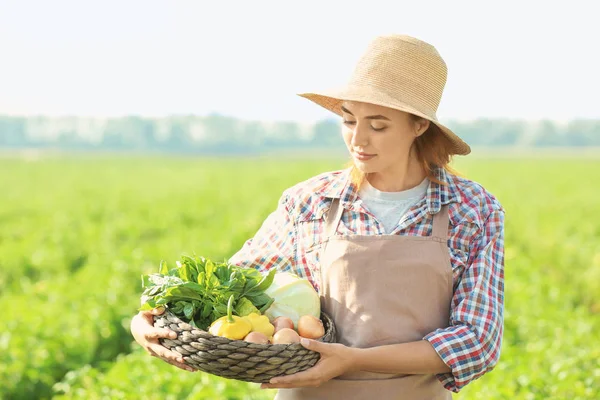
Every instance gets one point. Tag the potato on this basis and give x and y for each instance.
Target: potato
(310, 327)
(286, 336)
(283, 322)
(257, 337)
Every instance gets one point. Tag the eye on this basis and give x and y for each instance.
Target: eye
(346, 122)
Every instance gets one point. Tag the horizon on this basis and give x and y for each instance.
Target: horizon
(333, 117)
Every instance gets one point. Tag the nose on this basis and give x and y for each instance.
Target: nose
(360, 136)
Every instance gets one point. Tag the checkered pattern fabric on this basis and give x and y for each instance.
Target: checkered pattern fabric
(291, 238)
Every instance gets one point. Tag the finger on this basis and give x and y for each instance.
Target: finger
(315, 345)
(144, 315)
(180, 365)
(290, 385)
(299, 378)
(268, 386)
(175, 363)
(150, 351)
(165, 353)
(160, 333)
(157, 311)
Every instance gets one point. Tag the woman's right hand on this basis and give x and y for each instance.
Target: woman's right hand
(144, 332)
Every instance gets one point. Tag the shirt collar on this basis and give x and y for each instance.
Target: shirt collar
(341, 187)
(337, 185)
(439, 195)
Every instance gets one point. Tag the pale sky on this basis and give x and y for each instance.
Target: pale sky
(248, 59)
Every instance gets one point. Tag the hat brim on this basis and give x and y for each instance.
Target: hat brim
(332, 100)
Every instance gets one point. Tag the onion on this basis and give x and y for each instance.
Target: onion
(310, 327)
(257, 337)
(286, 336)
(283, 322)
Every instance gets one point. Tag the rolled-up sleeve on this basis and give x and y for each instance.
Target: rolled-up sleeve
(470, 346)
(273, 245)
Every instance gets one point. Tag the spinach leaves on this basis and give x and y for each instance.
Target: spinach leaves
(197, 290)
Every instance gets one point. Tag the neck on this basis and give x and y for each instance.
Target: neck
(401, 177)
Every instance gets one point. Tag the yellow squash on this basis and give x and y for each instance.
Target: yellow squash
(230, 326)
(260, 323)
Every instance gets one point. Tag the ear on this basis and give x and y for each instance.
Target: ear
(421, 126)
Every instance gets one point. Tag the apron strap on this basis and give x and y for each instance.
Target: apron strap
(441, 222)
(333, 218)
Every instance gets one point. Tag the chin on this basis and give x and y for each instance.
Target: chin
(365, 167)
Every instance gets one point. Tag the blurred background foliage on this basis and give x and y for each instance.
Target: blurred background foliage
(77, 232)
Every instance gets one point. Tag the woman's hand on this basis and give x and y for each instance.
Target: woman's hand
(336, 359)
(144, 332)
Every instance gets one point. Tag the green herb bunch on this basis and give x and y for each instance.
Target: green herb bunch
(197, 290)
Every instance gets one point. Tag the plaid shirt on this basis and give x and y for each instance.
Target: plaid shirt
(290, 240)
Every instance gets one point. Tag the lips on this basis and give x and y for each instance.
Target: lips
(363, 156)
(360, 153)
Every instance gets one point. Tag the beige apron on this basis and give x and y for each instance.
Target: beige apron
(379, 290)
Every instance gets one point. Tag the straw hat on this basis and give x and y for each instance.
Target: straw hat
(400, 72)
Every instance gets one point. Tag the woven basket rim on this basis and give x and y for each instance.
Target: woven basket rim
(329, 329)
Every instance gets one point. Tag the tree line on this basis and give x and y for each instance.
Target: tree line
(222, 134)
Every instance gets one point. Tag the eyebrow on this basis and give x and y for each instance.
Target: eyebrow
(344, 109)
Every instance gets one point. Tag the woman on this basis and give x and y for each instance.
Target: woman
(407, 256)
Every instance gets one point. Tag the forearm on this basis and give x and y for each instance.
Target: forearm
(405, 358)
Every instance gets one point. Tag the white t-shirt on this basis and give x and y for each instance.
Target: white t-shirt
(389, 207)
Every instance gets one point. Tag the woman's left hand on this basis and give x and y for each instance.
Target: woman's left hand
(336, 359)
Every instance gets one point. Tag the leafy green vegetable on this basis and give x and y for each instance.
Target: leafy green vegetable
(245, 307)
(197, 290)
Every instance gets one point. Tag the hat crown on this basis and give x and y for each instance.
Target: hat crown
(406, 69)
(399, 72)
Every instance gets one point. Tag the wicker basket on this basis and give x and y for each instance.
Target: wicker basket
(238, 359)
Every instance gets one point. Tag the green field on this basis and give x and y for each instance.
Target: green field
(77, 232)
